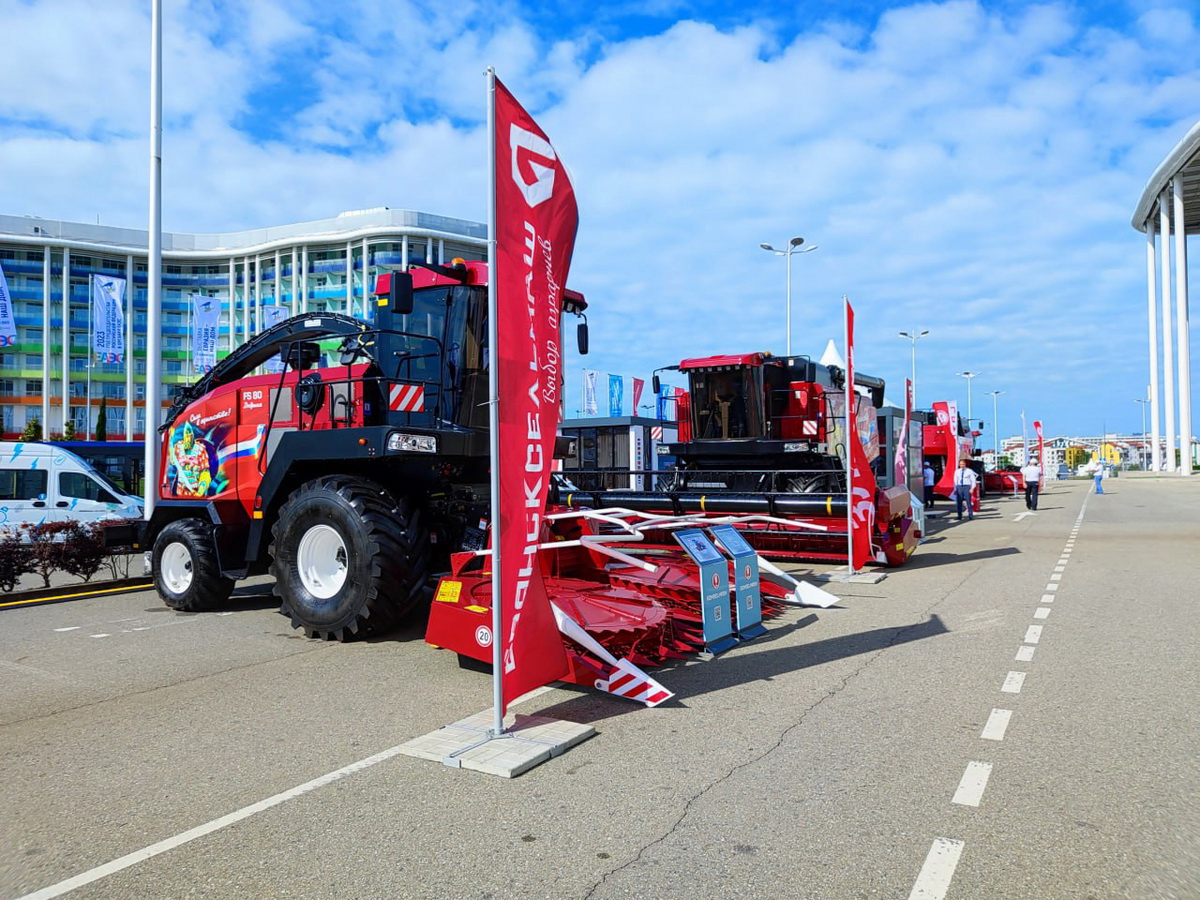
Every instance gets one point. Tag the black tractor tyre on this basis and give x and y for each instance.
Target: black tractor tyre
(186, 572)
(349, 558)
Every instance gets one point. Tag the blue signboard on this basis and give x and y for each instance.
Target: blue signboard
(714, 589)
(746, 588)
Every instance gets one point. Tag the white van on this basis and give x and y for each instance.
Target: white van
(41, 482)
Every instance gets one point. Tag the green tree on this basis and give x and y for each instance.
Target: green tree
(102, 421)
(32, 432)
(68, 432)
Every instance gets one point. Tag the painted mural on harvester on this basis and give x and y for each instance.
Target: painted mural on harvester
(199, 460)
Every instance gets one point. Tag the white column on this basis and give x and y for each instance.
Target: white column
(295, 279)
(47, 371)
(278, 295)
(1164, 228)
(258, 304)
(231, 303)
(1156, 456)
(130, 361)
(1182, 331)
(366, 279)
(304, 278)
(66, 330)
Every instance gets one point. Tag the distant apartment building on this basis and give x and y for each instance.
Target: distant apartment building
(50, 373)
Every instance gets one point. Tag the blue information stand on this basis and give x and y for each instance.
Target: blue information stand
(714, 589)
(746, 588)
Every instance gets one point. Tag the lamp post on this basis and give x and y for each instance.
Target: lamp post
(1145, 464)
(968, 376)
(995, 428)
(793, 246)
(914, 336)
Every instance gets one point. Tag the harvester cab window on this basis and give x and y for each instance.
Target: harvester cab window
(727, 403)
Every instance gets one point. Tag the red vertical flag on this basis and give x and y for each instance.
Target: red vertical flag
(1037, 427)
(901, 474)
(861, 483)
(638, 385)
(535, 220)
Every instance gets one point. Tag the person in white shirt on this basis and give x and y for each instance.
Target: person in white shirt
(1032, 473)
(965, 481)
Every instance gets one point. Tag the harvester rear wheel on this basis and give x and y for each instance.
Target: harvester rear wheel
(186, 572)
(349, 558)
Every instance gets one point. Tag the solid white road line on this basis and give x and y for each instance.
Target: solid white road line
(997, 724)
(1013, 682)
(110, 868)
(974, 780)
(1025, 654)
(1033, 634)
(934, 880)
(1042, 612)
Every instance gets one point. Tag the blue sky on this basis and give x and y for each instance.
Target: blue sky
(966, 167)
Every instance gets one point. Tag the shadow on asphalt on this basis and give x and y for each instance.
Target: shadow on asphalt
(922, 560)
(733, 668)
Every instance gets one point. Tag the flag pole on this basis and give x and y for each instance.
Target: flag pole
(494, 416)
(850, 396)
(154, 265)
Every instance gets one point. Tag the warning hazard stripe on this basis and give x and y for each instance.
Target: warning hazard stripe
(407, 398)
(808, 428)
(636, 685)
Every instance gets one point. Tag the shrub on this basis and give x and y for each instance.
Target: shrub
(14, 561)
(81, 550)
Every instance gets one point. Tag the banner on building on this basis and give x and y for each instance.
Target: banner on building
(8, 323)
(108, 318)
(590, 406)
(616, 395)
(206, 322)
(534, 225)
(271, 316)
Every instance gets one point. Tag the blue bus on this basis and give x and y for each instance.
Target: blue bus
(123, 462)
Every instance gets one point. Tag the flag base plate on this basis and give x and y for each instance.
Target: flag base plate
(856, 578)
(527, 741)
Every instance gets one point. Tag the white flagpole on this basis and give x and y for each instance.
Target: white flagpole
(850, 395)
(154, 263)
(494, 417)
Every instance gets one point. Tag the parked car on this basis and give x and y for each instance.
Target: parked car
(42, 482)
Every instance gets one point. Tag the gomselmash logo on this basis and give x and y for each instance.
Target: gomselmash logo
(539, 157)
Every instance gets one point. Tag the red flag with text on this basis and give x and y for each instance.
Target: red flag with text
(638, 385)
(536, 221)
(947, 423)
(1037, 427)
(861, 507)
(901, 473)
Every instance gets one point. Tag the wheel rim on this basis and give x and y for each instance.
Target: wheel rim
(176, 568)
(321, 559)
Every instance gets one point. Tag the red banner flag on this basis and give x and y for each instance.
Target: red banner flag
(1037, 427)
(638, 384)
(535, 221)
(947, 423)
(861, 480)
(901, 473)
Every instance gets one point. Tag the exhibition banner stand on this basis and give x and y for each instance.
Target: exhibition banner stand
(747, 601)
(714, 589)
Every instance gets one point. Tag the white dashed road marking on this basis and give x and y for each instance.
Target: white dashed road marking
(1025, 654)
(1042, 612)
(997, 724)
(974, 780)
(934, 880)
(1033, 634)
(1013, 682)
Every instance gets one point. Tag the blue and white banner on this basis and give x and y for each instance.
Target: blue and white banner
(206, 323)
(108, 318)
(616, 394)
(273, 315)
(590, 408)
(8, 325)
(663, 402)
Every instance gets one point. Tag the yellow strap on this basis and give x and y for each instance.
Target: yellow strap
(702, 499)
(829, 506)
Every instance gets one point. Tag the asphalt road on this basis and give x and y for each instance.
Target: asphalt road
(919, 739)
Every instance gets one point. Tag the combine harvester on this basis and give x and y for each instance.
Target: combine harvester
(361, 470)
(762, 438)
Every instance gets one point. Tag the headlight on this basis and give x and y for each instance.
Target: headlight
(412, 443)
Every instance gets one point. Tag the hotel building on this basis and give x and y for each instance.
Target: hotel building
(50, 375)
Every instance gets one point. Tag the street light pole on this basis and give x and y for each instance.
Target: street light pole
(968, 376)
(914, 336)
(995, 428)
(793, 246)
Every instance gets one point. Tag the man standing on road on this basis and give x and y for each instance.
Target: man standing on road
(1032, 473)
(1099, 476)
(965, 481)
(930, 478)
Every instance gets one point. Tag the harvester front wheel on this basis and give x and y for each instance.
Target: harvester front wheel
(186, 572)
(348, 558)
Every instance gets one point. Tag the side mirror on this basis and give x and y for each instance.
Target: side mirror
(400, 293)
(581, 338)
(656, 383)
